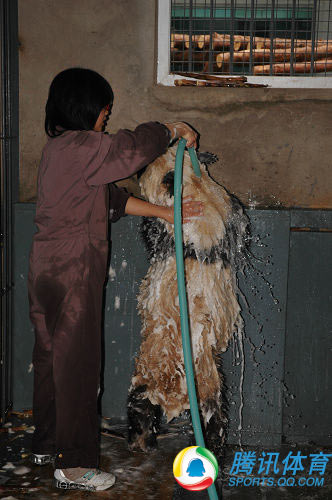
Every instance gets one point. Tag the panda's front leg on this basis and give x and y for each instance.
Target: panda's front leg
(144, 420)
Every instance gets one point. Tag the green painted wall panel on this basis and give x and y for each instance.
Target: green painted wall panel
(122, 325)
(264, 392)
(264, 286)
(308, 367)
(23, 335)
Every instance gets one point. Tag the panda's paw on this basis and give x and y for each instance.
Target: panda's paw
(207, 158)
(143, 444)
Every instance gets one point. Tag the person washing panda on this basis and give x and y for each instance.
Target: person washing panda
(68, 261)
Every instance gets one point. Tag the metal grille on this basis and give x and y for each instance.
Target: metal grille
(252, 37)
(8, 169)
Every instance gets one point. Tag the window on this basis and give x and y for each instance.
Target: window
(266, 40)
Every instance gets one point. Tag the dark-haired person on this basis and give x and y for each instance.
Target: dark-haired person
(68, 263)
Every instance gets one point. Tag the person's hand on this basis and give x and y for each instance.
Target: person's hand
(190, 209)
(180, 129)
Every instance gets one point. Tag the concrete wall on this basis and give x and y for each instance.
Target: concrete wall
(274, 144)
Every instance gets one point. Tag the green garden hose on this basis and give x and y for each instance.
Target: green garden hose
(186, 344)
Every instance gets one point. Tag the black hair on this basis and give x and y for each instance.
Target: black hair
(75, 100)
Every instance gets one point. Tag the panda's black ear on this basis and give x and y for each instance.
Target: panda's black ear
(207, 158)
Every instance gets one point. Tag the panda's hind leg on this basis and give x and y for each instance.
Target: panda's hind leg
(215, 428)
(144, 420)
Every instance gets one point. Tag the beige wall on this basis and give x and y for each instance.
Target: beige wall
(275, 146)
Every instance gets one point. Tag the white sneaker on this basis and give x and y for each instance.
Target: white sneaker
(93, 480)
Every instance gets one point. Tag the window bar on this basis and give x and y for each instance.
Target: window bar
(291, 69)
(190, 52)
(182, 30)
(318, 7)
(272, 35)
(313, 37)
(318, 24)
(251, 34)
(211, 30)
(231, 44)
(170, 38)
(328, 24)
(327, 36)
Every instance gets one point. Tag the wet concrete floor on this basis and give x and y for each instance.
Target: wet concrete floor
(145, 476)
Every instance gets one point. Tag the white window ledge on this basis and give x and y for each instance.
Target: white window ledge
(163, 66)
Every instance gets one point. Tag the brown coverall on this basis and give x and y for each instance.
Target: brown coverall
(66, 276)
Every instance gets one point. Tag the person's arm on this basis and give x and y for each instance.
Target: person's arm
(135, 206)
(117, 203)
(109, 158)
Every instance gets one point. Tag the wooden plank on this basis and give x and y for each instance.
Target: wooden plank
(279, 55)
(204, 76)
(319, 66)
(216, 83)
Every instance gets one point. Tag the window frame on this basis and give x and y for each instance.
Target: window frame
(164, 77)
